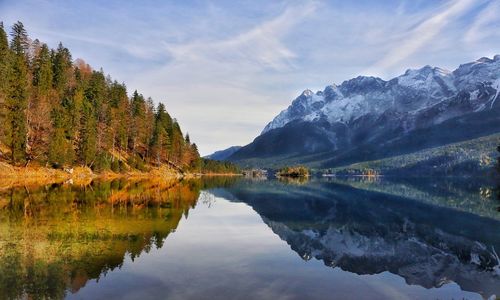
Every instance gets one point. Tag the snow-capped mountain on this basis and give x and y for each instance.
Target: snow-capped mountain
(412, 92)
(368, 118)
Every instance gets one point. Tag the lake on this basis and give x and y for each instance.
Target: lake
(236, 238)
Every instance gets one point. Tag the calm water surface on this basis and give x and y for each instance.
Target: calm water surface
(241, 239)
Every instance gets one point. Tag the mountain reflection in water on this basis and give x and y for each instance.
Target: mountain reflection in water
(55, 239)
(368, 227)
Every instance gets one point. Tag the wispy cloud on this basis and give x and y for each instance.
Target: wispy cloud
(485, 24)
(423, 34)
(260, 46)
(225, 69)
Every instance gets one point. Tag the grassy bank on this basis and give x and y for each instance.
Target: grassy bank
(11, 176)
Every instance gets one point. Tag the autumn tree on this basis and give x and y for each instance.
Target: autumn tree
(58, 111)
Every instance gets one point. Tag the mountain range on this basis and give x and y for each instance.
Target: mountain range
(223, 154)
(368, 118)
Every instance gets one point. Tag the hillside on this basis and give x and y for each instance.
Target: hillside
(223, 154)
(367, 118)
(57, 112)
(472, 157)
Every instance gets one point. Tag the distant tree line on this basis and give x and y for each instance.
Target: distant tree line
(60, 112)
(220, 167)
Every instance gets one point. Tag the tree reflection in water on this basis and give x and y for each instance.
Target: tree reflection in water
(56, 238)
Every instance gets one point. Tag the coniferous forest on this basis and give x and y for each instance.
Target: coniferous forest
(56, 111)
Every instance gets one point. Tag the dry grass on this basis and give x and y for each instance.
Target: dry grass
(11, 176)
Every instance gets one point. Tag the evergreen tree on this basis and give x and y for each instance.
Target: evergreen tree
(40, 106)
(4, 59)
(138, 116)
(20, 42)
(56, 111)
(17, 99)
(149, 123)
(177, 143)
(61, 149)
(42, 71)
(4, 78)
(96, 94)
(195, 164)
(119, 115)
(160, 141)
(61, 64)
(88, 136)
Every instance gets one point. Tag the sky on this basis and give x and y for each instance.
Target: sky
(224, 69)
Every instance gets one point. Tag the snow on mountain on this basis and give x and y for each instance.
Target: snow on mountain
(414, 92)
(405, 254)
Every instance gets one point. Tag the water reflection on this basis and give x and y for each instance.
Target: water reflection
(55, 239)
(352, 225)
(466, 194)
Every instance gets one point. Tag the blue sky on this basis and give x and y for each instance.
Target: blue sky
(226, 68)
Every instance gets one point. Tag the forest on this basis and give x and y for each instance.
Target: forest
(59, 112)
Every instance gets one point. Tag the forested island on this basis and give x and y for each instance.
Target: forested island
(56, 112)
(296, 171)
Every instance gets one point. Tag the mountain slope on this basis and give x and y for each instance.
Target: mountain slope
(367, 118)
(223, 154)
(471, 157)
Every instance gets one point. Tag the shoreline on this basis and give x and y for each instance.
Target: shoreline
(12, 176)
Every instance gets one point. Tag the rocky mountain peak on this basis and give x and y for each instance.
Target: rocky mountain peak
(415, 90)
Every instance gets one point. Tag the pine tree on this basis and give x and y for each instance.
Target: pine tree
(4, 59)
(87, 147)
(40, 107)
(195, 164)
(149, 123)
(119, 115)
(61, 64)
(42, 71)
(17, 100)
(138, 116)
(54, 110)
(4, 78)
(177, 143)
(160, 141)
(96, 94)
(20, 42)
(61, 149)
